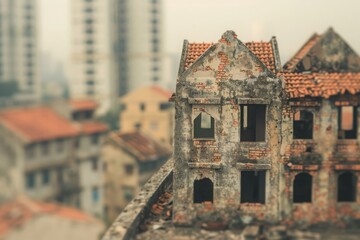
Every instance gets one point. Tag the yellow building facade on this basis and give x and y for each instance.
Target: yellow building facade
(148, 110)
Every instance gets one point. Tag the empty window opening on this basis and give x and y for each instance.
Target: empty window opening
(309, 149)
(253, 187)
(204, 126)
(346, 187)
(142, 107)
(347, 123)
(253, 123)
(302, 188)
(303, 125)
(203, 190)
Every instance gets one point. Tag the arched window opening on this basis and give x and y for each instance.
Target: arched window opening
(346, 185)
(302, 188)
(204, 126)
(253, 187)
(203, 190)
(303, 125)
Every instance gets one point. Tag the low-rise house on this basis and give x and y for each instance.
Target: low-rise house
(24, 218)
(53, 155)
(148, 110)
(130, 159)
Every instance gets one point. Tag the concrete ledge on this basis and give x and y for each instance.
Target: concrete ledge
(253, 101)
(204, 165)
(127, 223)
(253, 166)
(210, 101)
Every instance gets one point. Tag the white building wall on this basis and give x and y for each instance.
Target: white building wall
(91, 20)
(142, 38)
(90, 178)
(19, 56)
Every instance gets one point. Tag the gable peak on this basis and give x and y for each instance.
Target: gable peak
(228, 36)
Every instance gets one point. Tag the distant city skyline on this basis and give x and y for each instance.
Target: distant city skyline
(203, 20)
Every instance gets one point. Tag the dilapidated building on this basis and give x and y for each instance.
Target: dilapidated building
(252, 138)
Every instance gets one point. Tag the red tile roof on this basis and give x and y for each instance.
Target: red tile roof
(83, 104)
(92, 127)
(325, 85)
(16, 213)
(37, 123)
(194, 51)
(291, 64)
(141, 146)
(262, 50)
(161, 91)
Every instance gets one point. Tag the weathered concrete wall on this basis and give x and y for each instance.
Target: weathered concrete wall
(328, 158)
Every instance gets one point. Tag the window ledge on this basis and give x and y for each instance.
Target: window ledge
(252, 166)
(204, 139)
(253, 101)
(210, 101)
(209, 165)
(252, 205)
(299, 167)
(353, 167)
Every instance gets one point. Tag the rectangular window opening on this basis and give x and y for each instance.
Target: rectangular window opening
(347, 122)
(253, 123)
(253, 186)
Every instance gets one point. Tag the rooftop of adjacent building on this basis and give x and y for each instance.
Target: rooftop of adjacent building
(148, 93)
(16, 213)
(40, 123)
(140, 145)
(83, 104)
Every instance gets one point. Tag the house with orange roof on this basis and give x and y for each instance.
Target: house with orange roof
(53, 154)
(148, 110)
(24, 218)
(130, 159)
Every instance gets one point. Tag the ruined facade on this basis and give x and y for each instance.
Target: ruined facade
(252, 139)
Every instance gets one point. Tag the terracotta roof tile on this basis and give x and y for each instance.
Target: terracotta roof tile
(161, 91)
(141, 146)
(37, 123)
(262, 50)
(18, 212)
(92, 127)
(302, 52)
(324, 85)
(195, 50)
(83, 104)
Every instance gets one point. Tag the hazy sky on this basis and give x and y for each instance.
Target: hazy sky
(291, 21)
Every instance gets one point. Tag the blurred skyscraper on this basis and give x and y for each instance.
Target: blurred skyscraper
(19, 75)
(140, 39)
(92, 58)
(117, 47)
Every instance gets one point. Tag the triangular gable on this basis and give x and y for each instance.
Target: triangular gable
(234, 51)
(328, 52)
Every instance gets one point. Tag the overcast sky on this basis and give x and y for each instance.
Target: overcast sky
(291, 21)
